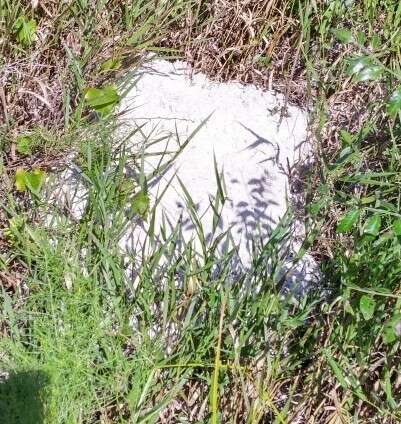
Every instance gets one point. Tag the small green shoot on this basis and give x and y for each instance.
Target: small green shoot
(348, 221)
(397, 227)
(24, 145)
(343, 35)
(392, 329)
(111, 64)
(367, 306)
(25, 31)
(141, 204)
(372, 225)
(102, 100)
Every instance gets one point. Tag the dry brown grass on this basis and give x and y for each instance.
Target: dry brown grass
(35, 83)
(41, 85)
(260, 42)
(280, 45)
(248, 41)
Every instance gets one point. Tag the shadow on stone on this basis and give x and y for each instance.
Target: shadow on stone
(21, 397)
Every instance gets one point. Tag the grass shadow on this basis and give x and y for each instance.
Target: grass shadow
(21, 397)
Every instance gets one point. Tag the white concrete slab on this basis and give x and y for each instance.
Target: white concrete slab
(243, 135)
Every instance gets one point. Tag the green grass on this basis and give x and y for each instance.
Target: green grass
(112, 350)
(181, 340)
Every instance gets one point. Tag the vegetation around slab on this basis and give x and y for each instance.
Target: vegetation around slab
(89, 333)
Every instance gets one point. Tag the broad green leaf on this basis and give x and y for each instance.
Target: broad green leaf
(370, 73)
(140, 204)
(364, 69)
(345, 152)
(348, 308)
(397, 227)
(348, 221)
(389, 335)
(32, 180)
(111, 64)
(24, 145)
(25, 31)
(343, 35)
(392, 329)
(356, 65)
(394, 104)
(372, 225)
(35, 179)
(20, 179)
(102, 100)
(367, 306)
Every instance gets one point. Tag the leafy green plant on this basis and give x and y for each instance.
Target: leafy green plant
(25, 144)
(25, 31)
(111, 64)
(397, 227)
(343, 35)
(179, 319)
(348, 221)
(372, 225)
(31, 180)
(392, 329)
(367, 306)
(141, 204)
(15, 228)
(102, 100)
(366, 66)
(99, 322)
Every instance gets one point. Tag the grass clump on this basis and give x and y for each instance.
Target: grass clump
(123, 350)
